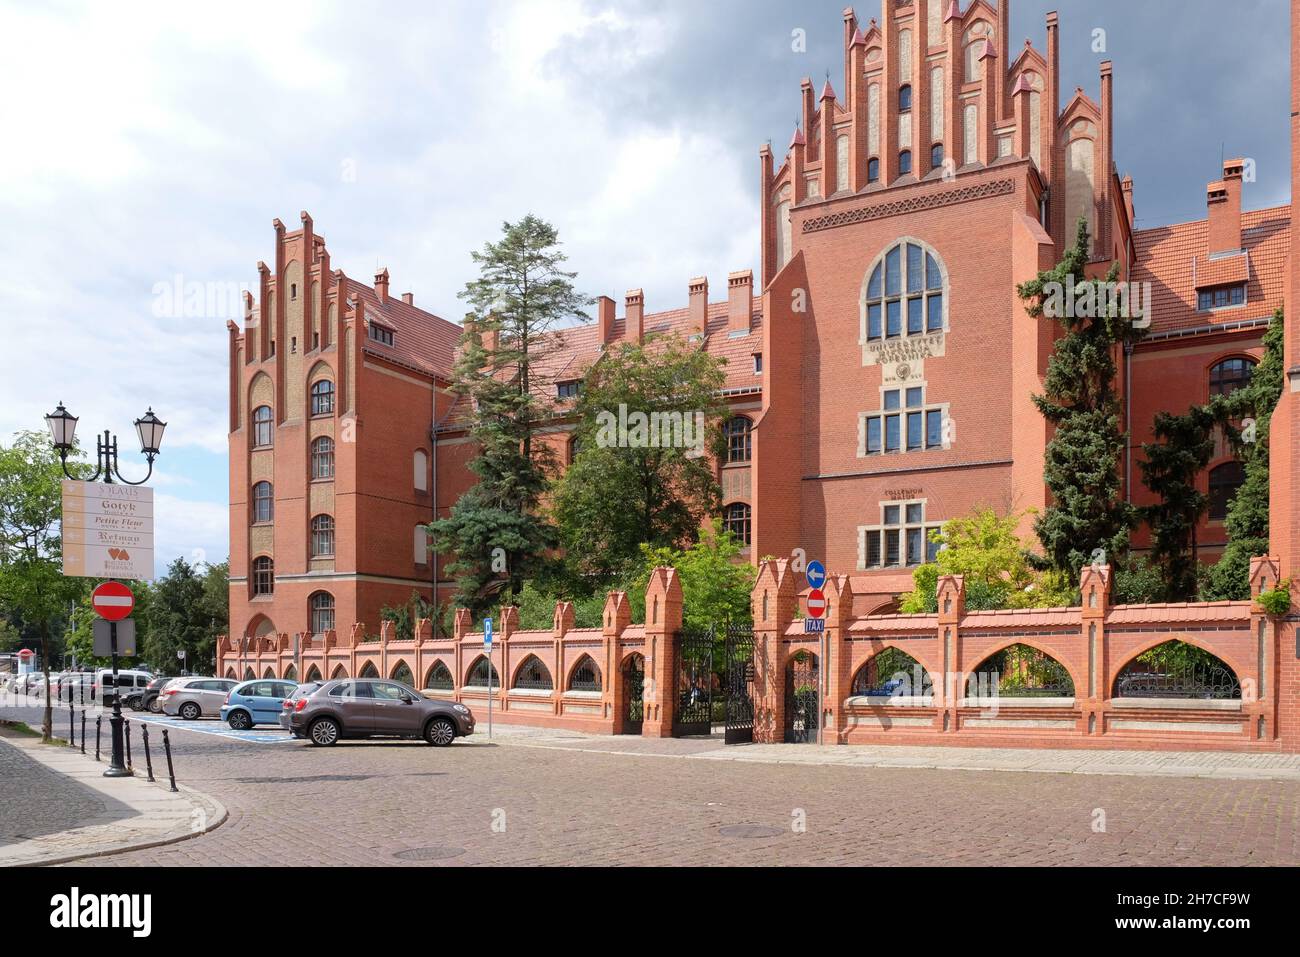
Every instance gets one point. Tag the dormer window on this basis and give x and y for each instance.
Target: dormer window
(568, 390)
(381, 334)
(1221, 297)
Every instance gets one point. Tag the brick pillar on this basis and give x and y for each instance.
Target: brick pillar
(663, 619)
(461, 623)
(950, 688)
(1261, 700)
(507, 624)
(1092, 698)
(836, 667)
(616, 617)
(561, 623)
(773, 602)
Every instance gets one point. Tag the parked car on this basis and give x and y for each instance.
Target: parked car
(146, 698)
(324, 712)
(195, 697)
(256, 702)
(101, 683)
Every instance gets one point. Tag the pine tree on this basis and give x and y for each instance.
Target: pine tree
(1170, 468)
(523, 296)
(1087, 518)
(1247, 520)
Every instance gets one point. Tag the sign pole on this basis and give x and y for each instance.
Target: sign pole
(117, 766)
(487, 647)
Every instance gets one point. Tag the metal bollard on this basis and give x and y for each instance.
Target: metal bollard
(72, 725)
(99, 726)
(83, 730)
(148, 761)
(126, 726)
(167, 746)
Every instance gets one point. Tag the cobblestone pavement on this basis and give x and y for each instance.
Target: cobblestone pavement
(500, 803)
(35, 801)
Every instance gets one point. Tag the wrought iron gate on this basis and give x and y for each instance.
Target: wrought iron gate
(634, 684)
(693, 701)
(737, 680)
(801, 704)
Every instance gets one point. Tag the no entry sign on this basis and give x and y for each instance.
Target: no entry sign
(816, 603)
(112, 601)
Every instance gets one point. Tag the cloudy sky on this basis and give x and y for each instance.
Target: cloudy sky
(149, 146)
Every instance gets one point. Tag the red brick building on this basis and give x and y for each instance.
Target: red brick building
(880, 376)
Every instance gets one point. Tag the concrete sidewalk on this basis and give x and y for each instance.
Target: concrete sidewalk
(1191, 764)
(69, 810)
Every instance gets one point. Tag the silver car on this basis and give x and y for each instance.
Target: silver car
(195, 697)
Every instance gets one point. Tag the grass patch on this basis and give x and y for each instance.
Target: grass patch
(21, 727)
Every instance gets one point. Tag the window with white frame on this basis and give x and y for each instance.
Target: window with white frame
(905, 423)
(902, 539)
(905, 294)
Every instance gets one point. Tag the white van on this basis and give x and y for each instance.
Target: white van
(127, 679)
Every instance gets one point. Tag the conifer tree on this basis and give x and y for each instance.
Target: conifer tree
(1170, 468)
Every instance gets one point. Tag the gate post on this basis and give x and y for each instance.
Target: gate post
(773, 604)
(663, 620)
(839, 660)
(616, 616)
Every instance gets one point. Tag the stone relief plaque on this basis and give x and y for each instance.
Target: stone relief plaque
(909, 350)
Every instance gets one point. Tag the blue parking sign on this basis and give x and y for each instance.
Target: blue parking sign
(487, 633)
(816, 574)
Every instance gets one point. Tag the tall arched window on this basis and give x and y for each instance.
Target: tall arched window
(263, 576)
(262, 432)
(736, 519)
(322, 536)
(904, 162)
(322, 397)
(420, 470)
(873, 170)
(322, 458)
(936, 156)
(738, 431)
(1230, 375)
(1225, 479)
(263, 502)
(321, 612)
(904, 294)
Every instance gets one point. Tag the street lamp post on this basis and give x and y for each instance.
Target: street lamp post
(149, 428)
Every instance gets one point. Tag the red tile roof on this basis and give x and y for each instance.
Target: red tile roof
(420, 338)
(1173, 259)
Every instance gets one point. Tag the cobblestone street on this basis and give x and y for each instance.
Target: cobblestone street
(510, 803)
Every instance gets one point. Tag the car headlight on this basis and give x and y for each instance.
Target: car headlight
(461, 708)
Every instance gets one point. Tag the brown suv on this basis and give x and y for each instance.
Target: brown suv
(325, 711)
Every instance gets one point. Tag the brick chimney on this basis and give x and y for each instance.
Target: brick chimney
(740, 301)
(698, 310)
(634, 324)
(605, 317)
(408, 298)
(1223, 207)
(381, 284)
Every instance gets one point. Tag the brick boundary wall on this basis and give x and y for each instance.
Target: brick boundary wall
(1093, 642)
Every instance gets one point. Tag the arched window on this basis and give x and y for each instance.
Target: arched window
(481, 671)
(738, 431)
(891, 672)
(873, 170)
(1177, 669)
(313, 674)
(420, 545)
(368, 670)
(586, 676)
(1225, 479)
(736, 519)
(936, 156)
(904, 296)
(322, 397)
(321, 609)
(262, 433)
(438, 678)
(291, 673)
(403, 674)
(1020, 671)
(420, 470)
(1230, 375)
(263, 502)
(263, 576)
(905, 98)
(904, 162)
(533, 674)
(322, 536)
(322, 458)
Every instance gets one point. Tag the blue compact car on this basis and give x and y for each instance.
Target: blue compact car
(256, 702)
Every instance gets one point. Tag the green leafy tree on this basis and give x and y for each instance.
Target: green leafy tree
(995, 565)
(179, 619)
(1170, 468)
(32, 584)
(1247, 519)
(1088, 518)
(496, 530)
(651, 484)
(406, 615)
(716, 581)
(537, 608)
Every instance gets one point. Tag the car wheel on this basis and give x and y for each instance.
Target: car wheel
(324, 732)
(155, 706)
(239, 720)
(190, 711)
(440, 732)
